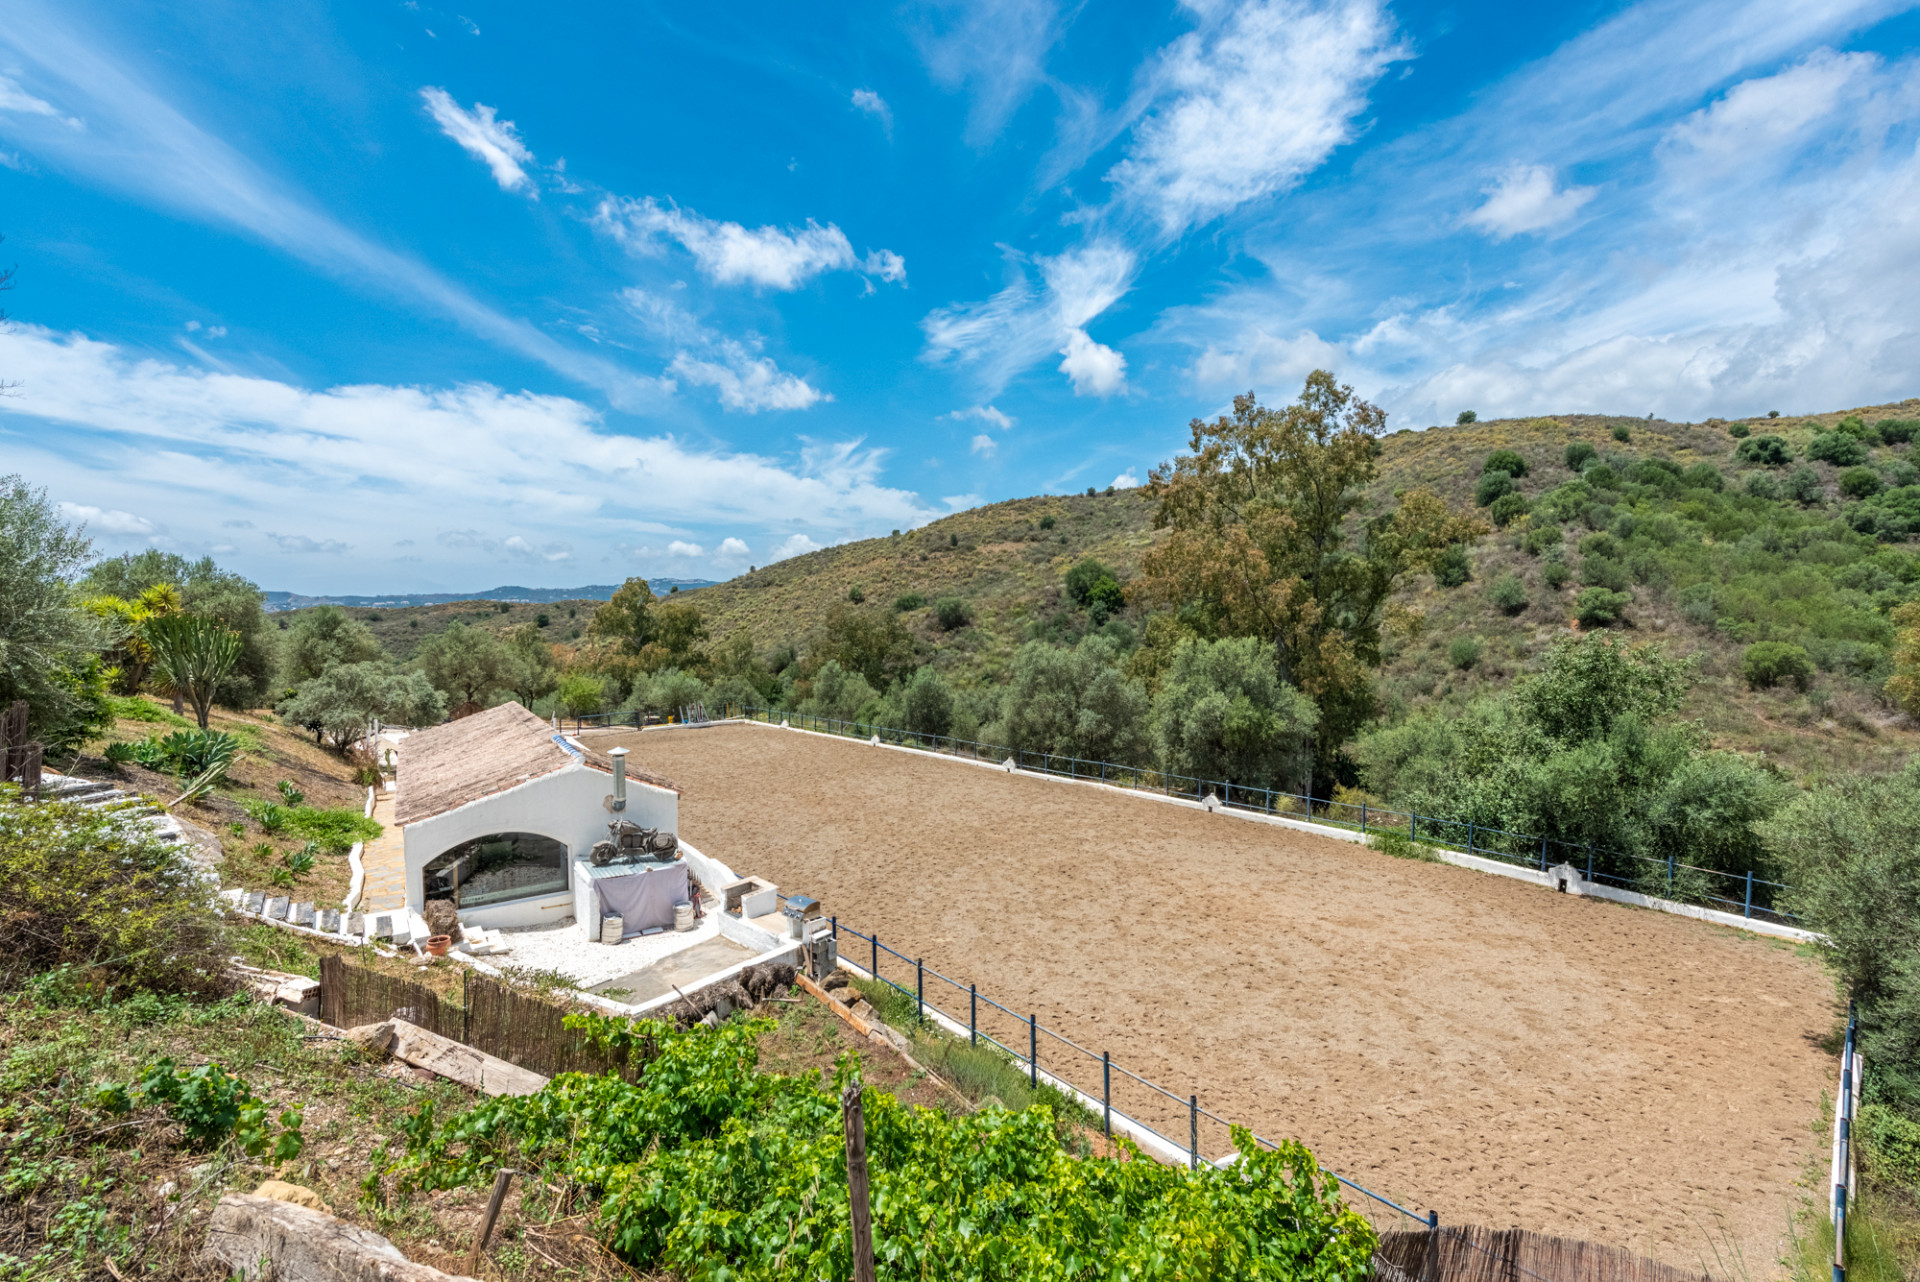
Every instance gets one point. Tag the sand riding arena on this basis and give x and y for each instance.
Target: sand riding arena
(1508, 1056)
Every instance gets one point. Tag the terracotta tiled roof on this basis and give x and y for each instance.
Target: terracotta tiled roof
(449, 765)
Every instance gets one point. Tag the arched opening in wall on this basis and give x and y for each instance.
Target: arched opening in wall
(498, 867)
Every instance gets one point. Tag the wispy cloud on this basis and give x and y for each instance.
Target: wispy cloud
(874, 105)
(996, 50)
(735, 369)
(984, 445)
(1021, 325)
(734, 547)
(106, 520)
(986, 414)
(1527, 198)
(493, 142)
(303, 545)
(680, 547)
(15, 99)
(113, 428)
(1250, 102)
(139, 142)
(733, 254)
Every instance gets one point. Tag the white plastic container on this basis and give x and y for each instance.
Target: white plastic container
(611, 929)
(683, 916)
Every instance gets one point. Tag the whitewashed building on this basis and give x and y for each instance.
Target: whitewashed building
(499, 810)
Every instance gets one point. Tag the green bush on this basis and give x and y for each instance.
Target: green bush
(1890, 1143)
(1464, 652)
(1859, 483)
(1508, 508)
(1704, 476)
(97, 892)
(1555, 574)
(332, 830)
(952, 613)
(1762, 485)
(1770, 663)
(1047, 522)
(1579, 454)
(710, 1169)
(1898, 431)
(1507, 461)
(1508, 594)
(1491, 486)
(1598, 607)
(908, 601)
(927, 704)
(1452, 567)
(1601, 477)
(856, 594)
(210, 1104)
(1539, 538)
(1621, 432)
(1804, 487)
(1767, 451)
(1604, 572)
(1398, 843)
(1738, 430)
(1094, 587)
(1464, 417)
(1842, 449)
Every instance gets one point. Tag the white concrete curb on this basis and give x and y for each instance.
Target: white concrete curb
(354, 863)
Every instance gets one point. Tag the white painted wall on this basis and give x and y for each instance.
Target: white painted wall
(565, 805)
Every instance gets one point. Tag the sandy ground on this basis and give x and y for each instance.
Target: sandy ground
(1455, 1040)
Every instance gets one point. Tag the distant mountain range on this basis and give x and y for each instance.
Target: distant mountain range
(278, 601)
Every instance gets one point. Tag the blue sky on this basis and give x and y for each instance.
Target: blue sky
(391, 296)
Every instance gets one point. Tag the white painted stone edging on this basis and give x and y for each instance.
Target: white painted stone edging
(353, 862)
(1457, 858)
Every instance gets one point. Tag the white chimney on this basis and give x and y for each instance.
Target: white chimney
(619, 756)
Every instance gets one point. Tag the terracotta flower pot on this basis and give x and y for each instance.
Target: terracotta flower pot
(438, 944)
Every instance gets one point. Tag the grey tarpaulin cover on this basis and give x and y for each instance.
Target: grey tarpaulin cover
(644, 897)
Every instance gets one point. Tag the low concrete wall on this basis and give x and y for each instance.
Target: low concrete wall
(1457, 858)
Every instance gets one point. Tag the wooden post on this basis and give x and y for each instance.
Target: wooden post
(501, 1179)
(855, 1117)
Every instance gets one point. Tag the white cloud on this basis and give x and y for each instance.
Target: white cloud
(734, 547)
(15, 99)
(1021, 326)
(1759, 121)
(494, 143)
(997, 49)
(1126, 481)
(1252, 101)
(732, 254)
(874, 105)
(986, 414)
(796, 545)
(1095, 368)
(518, 548)
(747, 382)
(985, 445)
(301, 544)
(1527, 198)
(106, 520)
(680, 547)
(128, 432)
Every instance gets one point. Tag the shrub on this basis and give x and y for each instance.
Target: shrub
(1859, 482)
(1739, 431)
(1466, 416)
(541, 621)
(210, 1104)
(1464, 652)
(856, 594)
(1556, 574)
(1094, 586)
(1898, 431)
(1770, 663)
(93, 890)
(1507, 461)
(1508, 594)
(1541, 537)
(1853, 425)
(1621, 432)
(1601, 477)
(1452, 567)
(1579, 454)
(1047, 522)
(332, 830)
(1509, 508)
(1599, 607)
(581, 694)
(952, 613)
(1398, 843)
(290, 793)
(908, 601)
(1704, 476)
(1803, 485)
(1762, 485)
(1767, 451)
(1604, 572)
(1491, 486)
(928, 704)
(953, 540)
(1842, 449)
(1223, 712)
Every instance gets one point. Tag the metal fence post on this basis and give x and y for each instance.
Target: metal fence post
(874, 939)
(1033, 1050)
(1413, 826)
(1669, 876)
(1193, 1132)
(919, 989)
(1543, 854)
(973, 1015)
(1363, 819)
(1749, 911)
(836, 930)
(1589, 862)
(1470, 827)
(1106, 1089)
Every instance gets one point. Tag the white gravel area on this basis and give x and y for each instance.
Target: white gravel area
(563, 948)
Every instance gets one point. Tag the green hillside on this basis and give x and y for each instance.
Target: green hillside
(1709, 561)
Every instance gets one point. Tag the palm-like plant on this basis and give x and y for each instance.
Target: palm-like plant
(192, 654)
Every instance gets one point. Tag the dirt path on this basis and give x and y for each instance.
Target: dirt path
(1452, 1039)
